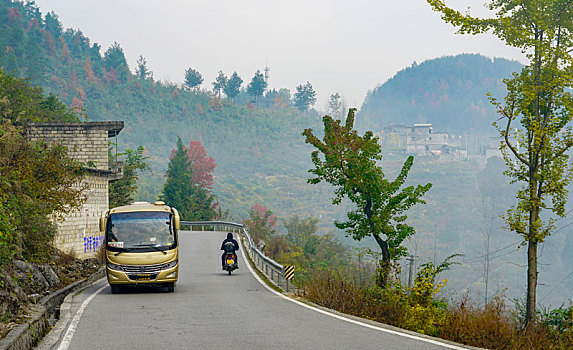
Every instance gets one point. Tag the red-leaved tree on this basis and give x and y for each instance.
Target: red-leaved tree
(201, 166)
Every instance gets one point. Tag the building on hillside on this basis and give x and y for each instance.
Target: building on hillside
(396, 135)
(87, 142)
(492, 144)
(492, 147)
(420, 139)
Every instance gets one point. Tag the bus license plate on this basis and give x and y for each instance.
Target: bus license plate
(143, 277)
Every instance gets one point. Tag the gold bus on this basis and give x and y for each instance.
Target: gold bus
(141, 245)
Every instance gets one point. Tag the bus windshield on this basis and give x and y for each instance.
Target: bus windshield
(144, 230)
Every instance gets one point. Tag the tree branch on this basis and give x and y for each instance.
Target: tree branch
(511, 147)
(533, 26)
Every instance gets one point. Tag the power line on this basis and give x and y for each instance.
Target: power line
(564, 216)
(490, 253)
(558, 284)
(562, 227)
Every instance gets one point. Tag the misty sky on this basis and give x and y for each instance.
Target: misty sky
(348, 47)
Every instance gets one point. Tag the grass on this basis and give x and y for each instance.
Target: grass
(493, 326)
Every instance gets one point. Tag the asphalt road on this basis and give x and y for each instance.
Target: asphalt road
(208, 310)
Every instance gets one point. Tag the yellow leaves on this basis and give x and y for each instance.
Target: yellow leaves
(423, 319)
(425, 287)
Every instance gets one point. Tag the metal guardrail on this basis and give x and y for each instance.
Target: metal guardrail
(270, 268)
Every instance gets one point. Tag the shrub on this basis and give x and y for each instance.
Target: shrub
(490, 327)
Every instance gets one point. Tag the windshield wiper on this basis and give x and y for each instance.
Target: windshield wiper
(121, 251)
(150, 245)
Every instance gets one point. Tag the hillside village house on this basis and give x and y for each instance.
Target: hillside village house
(87, 142)
(420, 139)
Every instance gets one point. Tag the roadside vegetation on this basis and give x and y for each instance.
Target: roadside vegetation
(327, 271)
(36, 180)
(357, 281)
(535, 116)
(37, 188)
(333, 275)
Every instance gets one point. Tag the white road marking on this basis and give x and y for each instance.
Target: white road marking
(405, 335)
(74, 324)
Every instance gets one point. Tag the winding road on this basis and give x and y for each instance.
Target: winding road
(212, 310)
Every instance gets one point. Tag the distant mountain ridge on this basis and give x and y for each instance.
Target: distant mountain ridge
(448, 92)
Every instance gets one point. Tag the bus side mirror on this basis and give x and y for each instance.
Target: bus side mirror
(102, 224)
(176, 219)
(102, 221)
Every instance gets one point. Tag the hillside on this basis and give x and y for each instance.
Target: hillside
(250, 142)
(260, 153)
(448, 92)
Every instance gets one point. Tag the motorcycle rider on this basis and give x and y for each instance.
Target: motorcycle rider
(235, 247)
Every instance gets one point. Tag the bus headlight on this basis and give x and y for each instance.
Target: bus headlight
(114, 267)
(169, 265)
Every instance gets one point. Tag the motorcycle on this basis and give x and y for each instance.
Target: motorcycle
(230, 262)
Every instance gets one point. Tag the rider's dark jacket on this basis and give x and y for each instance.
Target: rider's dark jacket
(232, 240)
(235, 247)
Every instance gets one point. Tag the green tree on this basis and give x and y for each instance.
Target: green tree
(233, 86)
(193, 79)
(123, 191)
(262, 224)
(21, 103)
(539, 99)
(220, 83)
(257, 85)
(304, 97)
(36, 180)
(116, 64)
(349, 164)
(335, 105)
(300, 230)
(52, 24)
(142, 72)
(192, 201)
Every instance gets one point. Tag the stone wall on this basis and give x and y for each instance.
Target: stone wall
(80, 229)
(88, 143)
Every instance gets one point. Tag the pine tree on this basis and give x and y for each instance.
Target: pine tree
(142, 72)
(335, 105)
(233, 86)
(193, 79)
(114, 60)
(219, 83)
(257, 86)
(192, 201)
(304, 97)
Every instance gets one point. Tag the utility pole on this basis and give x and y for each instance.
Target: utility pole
(411, 259)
